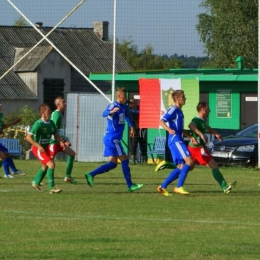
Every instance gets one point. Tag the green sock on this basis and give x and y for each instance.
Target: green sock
(50, 177)
(1, 163)
(170, 165)
(39, 176)
(219, 178)
(69, 165)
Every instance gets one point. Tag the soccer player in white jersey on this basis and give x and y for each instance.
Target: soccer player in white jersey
(116, 113)
(173, 122)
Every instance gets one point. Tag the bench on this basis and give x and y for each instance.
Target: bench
(13, 146)
(158, 147)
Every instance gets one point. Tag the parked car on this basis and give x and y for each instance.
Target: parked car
(241, 148)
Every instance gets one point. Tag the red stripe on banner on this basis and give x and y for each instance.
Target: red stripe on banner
(150, 103)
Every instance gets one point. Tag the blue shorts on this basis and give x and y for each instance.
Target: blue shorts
(113, 147)
(179, 151)
(3, 149)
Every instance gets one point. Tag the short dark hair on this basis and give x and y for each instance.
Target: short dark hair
(201, 105)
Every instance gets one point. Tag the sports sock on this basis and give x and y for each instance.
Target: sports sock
(11, 164)
(69, 165)
(103, 168)
(39, 176)
(126, 172)
(1, 163)
(6, 166)
(184, 172)
(171, 177)
(219, 178)
(50, 177)
(170, 165)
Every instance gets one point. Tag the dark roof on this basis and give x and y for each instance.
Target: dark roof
(80, 45)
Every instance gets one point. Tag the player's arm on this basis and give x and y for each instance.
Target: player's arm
(194, 129)
(110, 110)
(29, 139)
(16, 121)
(215, 133)
(187, 134)
(163, 124)
(129, 122)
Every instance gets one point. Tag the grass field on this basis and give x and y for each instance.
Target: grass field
(107, 222)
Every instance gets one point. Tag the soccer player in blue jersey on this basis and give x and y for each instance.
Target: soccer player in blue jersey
(116, 113)
(5, 158)
(173, 122)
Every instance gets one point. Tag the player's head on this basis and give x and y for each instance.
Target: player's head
(132, 103)
(121, 95)
(203, 108)
(60, 103)
(45, 110)
(178, 97)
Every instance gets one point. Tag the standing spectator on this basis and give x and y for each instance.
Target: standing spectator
(199, 152)
(56, 117)
(180, 153)
(116, 113)
(140, 136)
(5, 157)
(39, 137)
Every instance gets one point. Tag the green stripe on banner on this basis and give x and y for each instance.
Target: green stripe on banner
(191, 90)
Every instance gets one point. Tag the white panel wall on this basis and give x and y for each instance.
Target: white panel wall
(85, 125)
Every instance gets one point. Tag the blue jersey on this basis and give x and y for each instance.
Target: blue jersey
(175, 119)
(116, 121)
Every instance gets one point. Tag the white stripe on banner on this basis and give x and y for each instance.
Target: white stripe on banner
(167, 86)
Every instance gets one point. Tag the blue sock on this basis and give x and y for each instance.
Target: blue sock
(184, 172)
(6, 166)
(11, 164)
(103, 168)
(171, 177)
(127, 173)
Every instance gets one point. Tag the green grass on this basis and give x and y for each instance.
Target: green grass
(107, 222)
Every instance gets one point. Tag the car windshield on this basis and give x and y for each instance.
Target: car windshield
(251, 131)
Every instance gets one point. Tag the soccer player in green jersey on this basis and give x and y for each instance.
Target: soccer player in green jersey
(56, 117)
(199, 152)
(39, 137)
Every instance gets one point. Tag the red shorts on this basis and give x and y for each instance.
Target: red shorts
(54, 149)
(200, 155)
(44, 157)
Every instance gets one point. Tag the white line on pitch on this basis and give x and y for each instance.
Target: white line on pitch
(27, 214)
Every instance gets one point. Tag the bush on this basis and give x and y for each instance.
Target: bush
(28, 116)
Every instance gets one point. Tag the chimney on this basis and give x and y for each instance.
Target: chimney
(101, 30)
(39, 24)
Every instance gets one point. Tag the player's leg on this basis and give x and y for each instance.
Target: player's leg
(220, 178)
(133, 148)
(182, 157)
(127, 174)
(110, 152)
(69, 165)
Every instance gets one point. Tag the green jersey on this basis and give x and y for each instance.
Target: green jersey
(56, 117)
(1, 121)
(42, 132)
(202, 126)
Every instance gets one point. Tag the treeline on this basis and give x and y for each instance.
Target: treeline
(147, 60)
(190, 62)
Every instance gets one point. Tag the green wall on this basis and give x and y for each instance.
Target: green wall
(212, 87)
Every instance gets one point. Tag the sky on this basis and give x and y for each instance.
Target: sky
(169, 26)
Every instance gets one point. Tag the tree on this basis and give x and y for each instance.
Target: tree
(20, 22)
(229, 29)
(146, 59)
